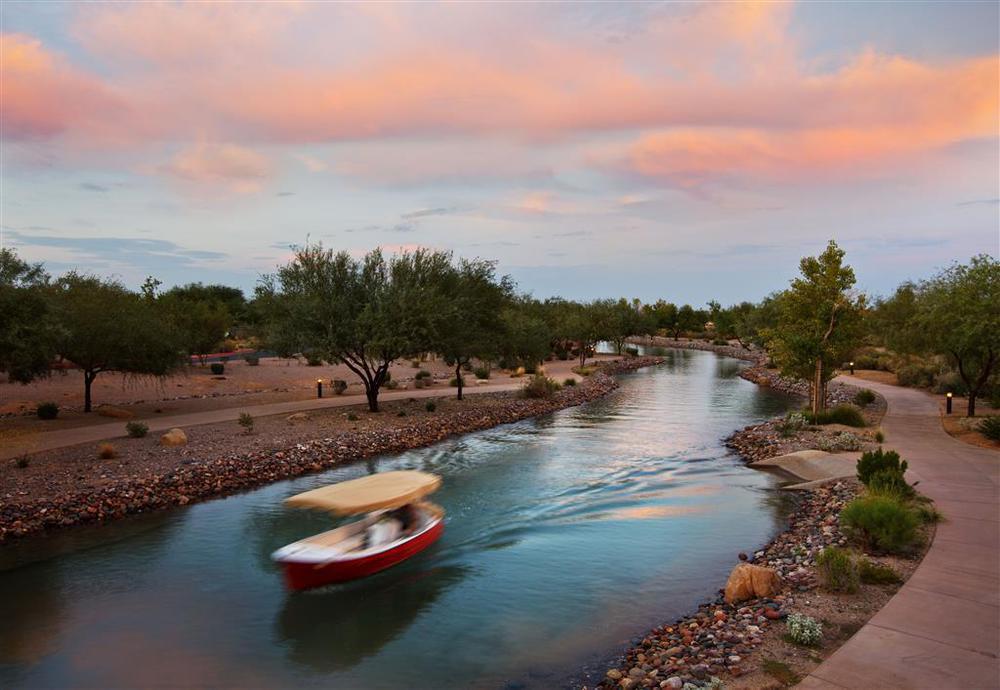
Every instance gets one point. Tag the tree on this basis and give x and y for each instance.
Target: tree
(527, 337)
(624, 320)
(201, 324)
(471, 325)
(688, 321)
(819, 322)
(958, 314)
(105, 327)
(364, 312)
(664, 315)
(27, 330)
(586, 324)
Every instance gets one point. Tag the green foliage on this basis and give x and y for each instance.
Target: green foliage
(481, 372)
(632, 351)
(28, 331)
(540, 386)
(990, 428)
(569, 381)
(879, 436)
(246, 421)
(845, 414)
(804, 630)
(844, 441)
(313, 359)
(200, 321)
(455, 381)
(928, 514)
(415, 363)
(917, 374)
(22, 462)
(780, 671)
(890, 484)
(883, 523)
(838, 570)
(720, 342)
(401, 413)
(136, 429)
(351, 417)
(423, 374)
(218, 368)
(527, 335)
(430, 406)
(793, 423)
(864, 397)
(950, 382)
(339, 386)
(873, 573)
(252, 360)
(47, 410)
(878, 461)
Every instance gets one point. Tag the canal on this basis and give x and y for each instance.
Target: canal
(566, 535)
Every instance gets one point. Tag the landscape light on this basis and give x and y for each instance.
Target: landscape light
(319, 388)
(851, 364)
(948, 397)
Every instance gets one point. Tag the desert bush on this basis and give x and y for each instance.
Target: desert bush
(864, 397)
(106, 451)
(928, 514)
(430, 406)
(392, 385)
(530, 368)
(422, 374)
(990, 428)
(415, 363)
(246, 421)
(838, 570)
(401, 413)
(721, 342)
(878, 361)
(481, 373)
(917, 374)
(843, 441)
(792, 423)
(890, 484)
(584, 371)
(950, 382)
(845, 414)
(883, 523)
(252, 360)
(632, 351)
(569, 381)
(540, 386)
(351, 417)
(804, 630)
(339, 386)
(136, 429)
(875, 461)
(879, 436)
(420, 383)
(47, 410)
(872, 573)
(454, 382)
(22, 462)
(218, 368)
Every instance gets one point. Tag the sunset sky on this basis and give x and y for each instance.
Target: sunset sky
(687, 151)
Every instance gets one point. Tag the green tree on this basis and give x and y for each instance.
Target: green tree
(819, 322)
(527, 337)
(586, 325)
(472, 324)
(958, 314)
(364, 312)
(688, 321)
(27, 330)
(664, 315)
(201, 324)
(105, 327)
(624, 320)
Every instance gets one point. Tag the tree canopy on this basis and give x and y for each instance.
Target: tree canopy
(27, 331)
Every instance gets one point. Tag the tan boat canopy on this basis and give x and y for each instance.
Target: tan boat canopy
(374, 492)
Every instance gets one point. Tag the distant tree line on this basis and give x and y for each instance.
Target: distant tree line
(370, 311)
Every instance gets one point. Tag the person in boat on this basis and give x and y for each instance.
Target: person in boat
(395, 524)
(409, 518)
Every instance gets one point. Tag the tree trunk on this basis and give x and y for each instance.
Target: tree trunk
(88, 378)
(371, 392)
(583, 354)
(817, 388)
(458, 379)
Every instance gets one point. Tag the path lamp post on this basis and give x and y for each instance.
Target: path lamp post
(948, 397)
(319, 388)
(851, 364)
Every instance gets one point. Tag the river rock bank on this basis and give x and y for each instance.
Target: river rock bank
(122, 490)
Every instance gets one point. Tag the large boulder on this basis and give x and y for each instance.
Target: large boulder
(174, 437)
(751, 581)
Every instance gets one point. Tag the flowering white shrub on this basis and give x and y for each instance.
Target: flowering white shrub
(845, 440)
(804, 630)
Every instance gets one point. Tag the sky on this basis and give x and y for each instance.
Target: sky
(685, 151)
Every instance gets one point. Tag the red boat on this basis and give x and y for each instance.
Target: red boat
(398, 525)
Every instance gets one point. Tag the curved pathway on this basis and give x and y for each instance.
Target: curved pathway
(942, 629)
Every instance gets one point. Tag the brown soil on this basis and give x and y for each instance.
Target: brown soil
(875, 375)
(965, 429)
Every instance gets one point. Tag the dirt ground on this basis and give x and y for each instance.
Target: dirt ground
(875, 375)
(965, 428)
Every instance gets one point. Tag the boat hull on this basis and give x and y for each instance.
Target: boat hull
(301, 573)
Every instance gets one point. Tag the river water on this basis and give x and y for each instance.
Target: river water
(566, 535)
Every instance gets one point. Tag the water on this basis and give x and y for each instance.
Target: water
(566, 535)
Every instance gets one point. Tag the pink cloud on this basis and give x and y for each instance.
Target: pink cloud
(239, 169)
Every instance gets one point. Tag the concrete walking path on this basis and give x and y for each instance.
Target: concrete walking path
(942, 629)
(50, 440)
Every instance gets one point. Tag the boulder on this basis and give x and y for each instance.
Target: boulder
(298, 417)
(751, 581)
(174, 437)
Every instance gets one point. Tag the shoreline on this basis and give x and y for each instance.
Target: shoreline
(193, 479)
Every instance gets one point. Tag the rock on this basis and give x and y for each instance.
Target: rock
(743, 556)
(174, 437)
(751, 581)
(298, 417)
(672, 682)
(482, 382)
(614, 674)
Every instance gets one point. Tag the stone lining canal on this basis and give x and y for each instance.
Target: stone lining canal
(566, 535)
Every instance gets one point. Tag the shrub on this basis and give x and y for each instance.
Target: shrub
(351, 417)
(584, 371)
(312, 359)
(531, 368)
(47, 410)
(990, 428)
(136, 429)
(838, 570)
(890, 484)
(387, 377)
(843, 441)
(246, 421)
(879, 436)
(481, 373)
(950, 382)
(875, 461)
(721, 342)
(563, 355)
(864, 397)
(848, 415)
(928, 514)
(872, 573)
(454, 382)
(430, 406)
(880, 522)
(569, 381)
(916, 375)
(218, 368)
(540, 386)
(339, 386)
(804, 630)
(106, 451)
(632, 351)
(415, 363)
(792, 423)
(392, 385)
(423, 374)
(252, 360)
(401, 413)
(22, 462)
